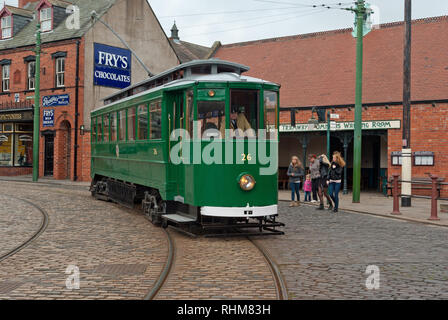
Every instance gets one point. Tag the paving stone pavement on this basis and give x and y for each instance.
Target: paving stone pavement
(119, 253)
(325, 256)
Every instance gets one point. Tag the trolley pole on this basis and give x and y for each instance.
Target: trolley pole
(360, 11)
(36, 124)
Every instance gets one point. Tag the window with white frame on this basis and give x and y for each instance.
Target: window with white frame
(5, 77)
(45, 19)
(6, 27)
(60, 72)
(31, 75)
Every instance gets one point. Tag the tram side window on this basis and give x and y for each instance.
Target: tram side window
(244, 113)
(190, 112)
(113, 126)
(122, 125)
(131, 124)
(270, 114)
(106, 128)
(211, 119)
(99, 128)
(142, 122)
(155, 116)
(94, 129)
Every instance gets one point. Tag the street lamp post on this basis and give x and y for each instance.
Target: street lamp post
(36, 124)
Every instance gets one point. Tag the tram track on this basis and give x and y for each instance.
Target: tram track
(42, 227)
(280, 285)
(166, 269)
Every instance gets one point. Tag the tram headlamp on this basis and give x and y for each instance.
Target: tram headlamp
(247, 182)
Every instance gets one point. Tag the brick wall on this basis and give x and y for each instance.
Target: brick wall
(64, 115)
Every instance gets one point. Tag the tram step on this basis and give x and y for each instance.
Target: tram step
(178, 218)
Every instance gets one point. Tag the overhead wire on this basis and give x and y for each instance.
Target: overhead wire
(259, 24)
(249, 19)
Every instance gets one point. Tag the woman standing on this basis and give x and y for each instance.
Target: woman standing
(324, 166)
(315, 176)
(295, 173)
(335, 178)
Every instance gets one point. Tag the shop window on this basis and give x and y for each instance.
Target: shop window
(45, 19)
(23, 149)
(131, 124)
(396, 158)
(142, 122)
(155, 116)
(6, 27)
(5, 77)
(113, 126)
(5, 149)
(106, 128)
(31, 75)
(60, 72)
(16, 144)
(270, 114)
(423, 158)
(122, 125)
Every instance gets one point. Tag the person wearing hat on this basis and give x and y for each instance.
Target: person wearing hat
(242, 123)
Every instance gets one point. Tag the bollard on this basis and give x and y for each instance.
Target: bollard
(396, 209)
(434, 196)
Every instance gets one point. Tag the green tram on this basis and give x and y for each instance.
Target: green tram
(196, 146)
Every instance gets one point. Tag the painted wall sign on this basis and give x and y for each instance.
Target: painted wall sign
(48, 118)
(56, 100)
(112, 66)
(340, 126)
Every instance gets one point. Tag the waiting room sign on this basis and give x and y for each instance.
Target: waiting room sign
(341, 126)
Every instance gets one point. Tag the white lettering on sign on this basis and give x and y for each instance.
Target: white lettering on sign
(340, 126)
(112, 60)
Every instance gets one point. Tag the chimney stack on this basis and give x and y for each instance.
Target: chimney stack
(23, 3)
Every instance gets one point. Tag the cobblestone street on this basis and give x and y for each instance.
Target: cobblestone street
(325, 255)
(120, 255)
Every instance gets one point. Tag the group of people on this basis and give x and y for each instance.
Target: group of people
(324, 180)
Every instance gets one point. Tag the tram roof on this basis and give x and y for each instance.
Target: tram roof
(221, 77)
(183, 71)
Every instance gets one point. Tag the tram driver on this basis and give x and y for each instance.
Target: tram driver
(240, 124)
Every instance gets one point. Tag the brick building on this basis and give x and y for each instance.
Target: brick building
(80, 65)
(318, 70)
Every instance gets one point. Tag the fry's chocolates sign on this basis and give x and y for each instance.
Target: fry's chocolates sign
(112, 66)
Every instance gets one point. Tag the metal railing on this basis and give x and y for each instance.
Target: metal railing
(435, 184)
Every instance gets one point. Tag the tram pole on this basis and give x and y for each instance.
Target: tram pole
(36, 124)
(360, 11)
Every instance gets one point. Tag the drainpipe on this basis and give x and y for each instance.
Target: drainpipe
(75, 163)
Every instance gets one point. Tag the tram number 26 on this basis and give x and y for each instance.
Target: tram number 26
(246, 157)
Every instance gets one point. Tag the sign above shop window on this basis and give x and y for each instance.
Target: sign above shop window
(340, 126)
(112, 66)
(56, 100)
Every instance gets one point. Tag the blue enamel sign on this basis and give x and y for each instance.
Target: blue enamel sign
(56, 100)
(48, 118)
(112, 66)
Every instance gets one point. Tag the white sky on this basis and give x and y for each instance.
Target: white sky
(204, 21)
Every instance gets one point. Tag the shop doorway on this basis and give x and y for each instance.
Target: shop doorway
(49, 155)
